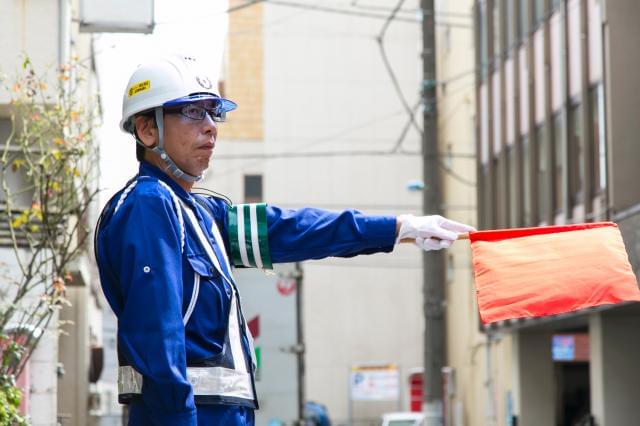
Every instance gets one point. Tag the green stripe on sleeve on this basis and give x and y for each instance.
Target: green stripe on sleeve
(263, 235)
(247, 234)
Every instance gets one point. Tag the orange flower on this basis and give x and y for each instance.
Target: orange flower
(58, 285)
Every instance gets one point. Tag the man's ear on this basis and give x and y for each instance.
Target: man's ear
(146, 130)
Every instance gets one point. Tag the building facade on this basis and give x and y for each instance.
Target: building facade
(317, 125)
(556, 125)
(61, 380)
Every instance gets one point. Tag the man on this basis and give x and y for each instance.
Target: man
(165, 255)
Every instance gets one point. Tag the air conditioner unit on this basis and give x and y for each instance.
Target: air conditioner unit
(116, 16)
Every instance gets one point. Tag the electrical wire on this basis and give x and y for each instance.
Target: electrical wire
(411, 122)
(318, 8)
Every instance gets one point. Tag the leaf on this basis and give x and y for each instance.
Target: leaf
(26, 63)
(56, 154)
(16, 164)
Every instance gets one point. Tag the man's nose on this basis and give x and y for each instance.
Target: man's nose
(210, 125)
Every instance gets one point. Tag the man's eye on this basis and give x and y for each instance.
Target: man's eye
(193, 110)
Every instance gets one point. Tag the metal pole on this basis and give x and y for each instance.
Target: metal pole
(433, 262)
(300, 347)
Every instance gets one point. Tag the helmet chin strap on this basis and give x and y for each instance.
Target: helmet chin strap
(159, 149)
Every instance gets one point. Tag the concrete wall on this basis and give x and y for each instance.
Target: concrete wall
(536, 388)
(73, 355)
(18, 36)
(614, 372)
(622, 58)
(326, 90)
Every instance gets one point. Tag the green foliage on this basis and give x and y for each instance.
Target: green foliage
(10, 397)
(47, 185)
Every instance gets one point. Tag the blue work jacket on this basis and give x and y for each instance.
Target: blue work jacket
(148, 256)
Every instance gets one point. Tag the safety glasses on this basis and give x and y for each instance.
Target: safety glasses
(199, 112)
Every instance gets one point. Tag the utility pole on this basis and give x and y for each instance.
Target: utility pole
(433, 262)
(300, 346)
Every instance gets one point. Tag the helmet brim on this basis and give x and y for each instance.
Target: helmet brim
(224, 104)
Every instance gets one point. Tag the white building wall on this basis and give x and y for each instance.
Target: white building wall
(613, 367)
(326, 91)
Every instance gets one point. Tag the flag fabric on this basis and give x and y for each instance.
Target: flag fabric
(533, 272)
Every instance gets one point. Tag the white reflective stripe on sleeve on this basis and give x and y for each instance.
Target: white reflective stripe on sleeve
(205, 381)
(241, 238)
(255, 241)
(124, 195)
(194, 298)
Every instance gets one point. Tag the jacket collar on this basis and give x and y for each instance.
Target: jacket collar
(148, 169)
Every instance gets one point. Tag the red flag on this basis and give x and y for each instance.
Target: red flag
(532, 272)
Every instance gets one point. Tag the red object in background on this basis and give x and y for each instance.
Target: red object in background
(415, 392)
(286, 287)
(532, 272)
(23, 383)
(254, 326)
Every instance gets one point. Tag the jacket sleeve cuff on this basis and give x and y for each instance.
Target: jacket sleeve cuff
(381, 232)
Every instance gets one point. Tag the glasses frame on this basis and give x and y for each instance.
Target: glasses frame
(215, 113)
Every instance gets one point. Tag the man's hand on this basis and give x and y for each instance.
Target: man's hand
(430, 232)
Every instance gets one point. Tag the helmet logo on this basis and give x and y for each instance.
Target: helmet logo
(204, 82)
(139, 87)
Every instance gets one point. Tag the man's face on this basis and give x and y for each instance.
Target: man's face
(190, 142)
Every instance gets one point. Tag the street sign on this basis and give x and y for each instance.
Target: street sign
(375, 383)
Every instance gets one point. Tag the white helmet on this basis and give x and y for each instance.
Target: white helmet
(171, 81)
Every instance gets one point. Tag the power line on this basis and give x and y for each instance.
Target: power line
(313, 154)
(411, 122)
(318, 8)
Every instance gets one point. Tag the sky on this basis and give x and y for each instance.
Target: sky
(194, 27)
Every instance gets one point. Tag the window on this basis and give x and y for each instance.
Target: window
(497, 34)
(482, 36)
(500, 197)
(576, 155)
(539, 12)
(598, 176)
(526, 181)
(485, 197)
(252, 188)
(559, 162)
(523, 13)
(543, 172)
(514, 190)
(509, 24)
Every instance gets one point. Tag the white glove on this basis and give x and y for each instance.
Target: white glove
(430, 232)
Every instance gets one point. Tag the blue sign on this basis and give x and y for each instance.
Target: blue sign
(563, 348)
